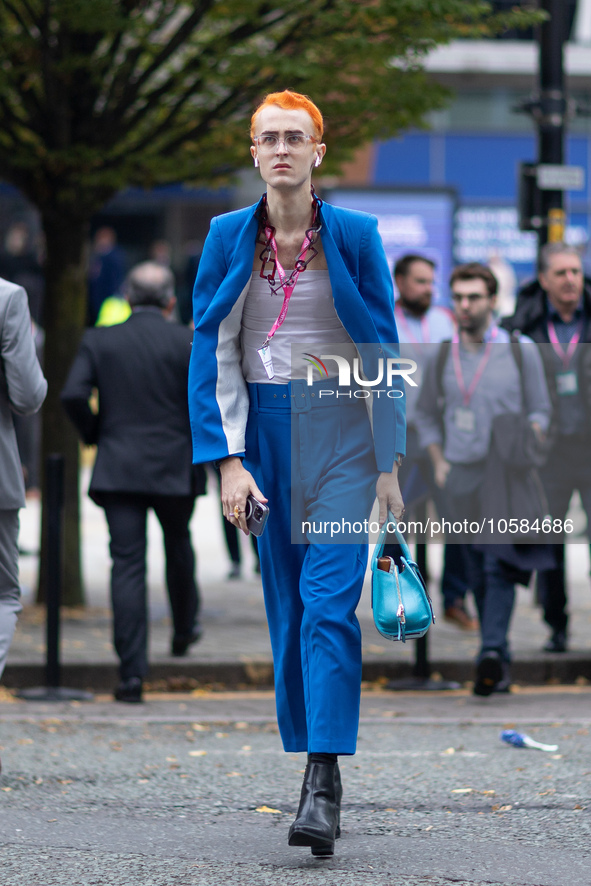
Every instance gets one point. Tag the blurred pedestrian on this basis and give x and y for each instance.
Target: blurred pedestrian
(192, 252)
(556, 308)
(420, 324)
(20, 262)
(143, 460)
(466, 385)
(290, 270)
(161, 252)
(28, 431)
(106, 271)
(22, 391)
(507, 280)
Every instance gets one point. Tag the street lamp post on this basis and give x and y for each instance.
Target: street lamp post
(550, 115)
(541, 205)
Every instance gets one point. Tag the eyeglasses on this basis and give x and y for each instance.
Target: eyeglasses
(472, 297)
(295, 141)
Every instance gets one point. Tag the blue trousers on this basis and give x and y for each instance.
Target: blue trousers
(315, 464)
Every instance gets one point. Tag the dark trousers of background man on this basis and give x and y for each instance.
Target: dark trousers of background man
(127, 518)
(493, 589)
(567, 469)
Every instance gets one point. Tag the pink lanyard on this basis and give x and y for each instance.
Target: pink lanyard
(455, 348)
(399, 314)
(565, 356)
(288, 284)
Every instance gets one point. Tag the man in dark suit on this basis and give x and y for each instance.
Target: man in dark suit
(143, 460)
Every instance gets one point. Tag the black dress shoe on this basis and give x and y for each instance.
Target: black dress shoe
(181, 642)
(317, 818)
(129, 690)
(504, 684)
(557, 642)
(489, 674)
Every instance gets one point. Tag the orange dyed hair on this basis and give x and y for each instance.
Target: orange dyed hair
(291, 101)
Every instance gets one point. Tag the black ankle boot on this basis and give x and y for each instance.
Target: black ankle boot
(318, 814)
(322, 851)
(339, 796)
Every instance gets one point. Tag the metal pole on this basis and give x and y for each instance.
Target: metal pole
(551, 113)
(53, 500)
(54, 492)
(422, 667)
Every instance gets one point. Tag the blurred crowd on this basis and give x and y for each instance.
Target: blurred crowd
(458, 440)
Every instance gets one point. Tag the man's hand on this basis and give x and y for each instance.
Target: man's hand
(237, 485)
(441, 470)
(537, 429)
(389, 497)
(441, 467)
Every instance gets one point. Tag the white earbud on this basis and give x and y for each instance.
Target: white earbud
(256, 162)
(317, 161)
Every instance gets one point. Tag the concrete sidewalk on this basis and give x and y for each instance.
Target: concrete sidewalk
(235, 648)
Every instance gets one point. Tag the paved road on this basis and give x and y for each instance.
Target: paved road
(194, 789)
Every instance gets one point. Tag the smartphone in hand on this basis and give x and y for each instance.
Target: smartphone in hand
(256, 514)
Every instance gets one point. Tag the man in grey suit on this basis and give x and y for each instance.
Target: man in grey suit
(22, 391)
(143, 460)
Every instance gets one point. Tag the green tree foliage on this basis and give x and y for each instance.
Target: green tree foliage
(98, 95)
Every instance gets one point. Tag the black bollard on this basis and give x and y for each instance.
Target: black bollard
(54, 492)
(422, 668)
(54, 502)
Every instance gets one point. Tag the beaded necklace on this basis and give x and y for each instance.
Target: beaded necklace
(268, 254)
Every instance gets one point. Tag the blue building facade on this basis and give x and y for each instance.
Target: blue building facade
(483, 167)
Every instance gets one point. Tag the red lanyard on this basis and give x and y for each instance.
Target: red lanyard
(400, 316)
(455, 349)
(565, 356)
(287, 284)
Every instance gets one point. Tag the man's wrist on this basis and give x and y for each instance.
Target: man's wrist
(227, 461)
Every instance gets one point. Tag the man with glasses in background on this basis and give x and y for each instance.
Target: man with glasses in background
(420, 323)
(466, 385)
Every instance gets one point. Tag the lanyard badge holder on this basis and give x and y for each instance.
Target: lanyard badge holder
(464, 416)
(567, 382)
(287, 283)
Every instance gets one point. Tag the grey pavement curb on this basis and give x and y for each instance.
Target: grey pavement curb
(551, 669)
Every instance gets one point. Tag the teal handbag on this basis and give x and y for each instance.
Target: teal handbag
(401, 605)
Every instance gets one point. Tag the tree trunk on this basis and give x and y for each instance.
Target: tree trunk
(65, 313)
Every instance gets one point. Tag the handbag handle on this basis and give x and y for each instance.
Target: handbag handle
(390, 522)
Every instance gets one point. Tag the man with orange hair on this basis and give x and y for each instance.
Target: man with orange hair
(284, 286)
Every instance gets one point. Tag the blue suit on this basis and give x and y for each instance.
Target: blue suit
(311, 589)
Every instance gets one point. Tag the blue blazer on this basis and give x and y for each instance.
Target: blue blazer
(364, 301)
